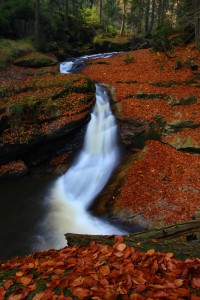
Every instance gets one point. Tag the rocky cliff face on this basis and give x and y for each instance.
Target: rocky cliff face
(42, 114)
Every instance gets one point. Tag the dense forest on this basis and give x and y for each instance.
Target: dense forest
(56, 24)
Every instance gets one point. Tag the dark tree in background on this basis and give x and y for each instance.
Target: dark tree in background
(196, 7)
(37, 20)
(53, 21)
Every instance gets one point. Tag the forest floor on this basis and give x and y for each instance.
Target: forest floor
(162, 185)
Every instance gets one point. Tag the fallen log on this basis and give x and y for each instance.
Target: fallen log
(182, 239)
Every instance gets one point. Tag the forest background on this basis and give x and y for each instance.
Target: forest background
(60, 25)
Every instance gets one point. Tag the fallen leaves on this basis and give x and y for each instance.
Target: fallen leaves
(170, 194)
(96, 272)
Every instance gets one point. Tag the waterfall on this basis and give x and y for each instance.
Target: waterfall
(75, 190)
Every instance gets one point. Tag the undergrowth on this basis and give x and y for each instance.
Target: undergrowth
(11, 49)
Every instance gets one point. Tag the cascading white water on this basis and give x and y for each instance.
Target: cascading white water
(73, 192)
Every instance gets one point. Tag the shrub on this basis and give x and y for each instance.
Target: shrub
(178, 64)
(129, 59)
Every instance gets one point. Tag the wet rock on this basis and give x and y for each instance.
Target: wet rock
(133, 132)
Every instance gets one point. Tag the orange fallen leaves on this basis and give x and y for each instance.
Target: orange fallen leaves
(139, 276)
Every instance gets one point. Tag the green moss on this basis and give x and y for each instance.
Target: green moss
(156, 128)
(151, 96)
(41, 286)
(173, 82)
(129, 59)
(13, 288)
(16, 109)
(178, 64)
(35, 60)
(127, 82)
(7, 274)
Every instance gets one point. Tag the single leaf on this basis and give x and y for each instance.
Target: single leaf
(196, 282)
(178, 282)
(81, 293)
(25, 280)
(77, 281)
(121, 247)
(151, 251)
(136, 297)
(19, 274)
(104, 270)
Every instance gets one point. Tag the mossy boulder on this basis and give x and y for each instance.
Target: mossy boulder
(36, 60)
(111, 44)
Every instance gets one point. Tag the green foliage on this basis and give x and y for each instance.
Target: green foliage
(90, 16)
(160, 36)
(16, 109)
(178, 64)
(129, 58)
(11, 49)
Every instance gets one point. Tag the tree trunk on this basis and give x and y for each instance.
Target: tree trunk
(66, 13)
(147, 16)
(74, 7)
(123, 18)
(164, 10)
(100, 10)
(37, 25)
(152, 15)
(160, 3)
(197, 22)
(141, 15)
(182, 239)
(91, 3)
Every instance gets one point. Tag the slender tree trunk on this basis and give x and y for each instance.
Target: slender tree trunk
(91, 3)
(197, 22)
(123, 18)
(74, 7)
(159, 12)
(141, 15)
(37, 22)
(147, 16)
(164, 10)
(66, 13)
(171, 8)
(100, 10)
(152, 15)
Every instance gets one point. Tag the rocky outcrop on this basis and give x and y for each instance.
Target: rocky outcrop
(47, 114)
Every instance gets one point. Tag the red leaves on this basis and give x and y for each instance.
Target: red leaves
(196, 282)
(96, 272)
(162, 197)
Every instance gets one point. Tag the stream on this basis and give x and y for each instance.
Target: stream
(62, 203)
(73, 193)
